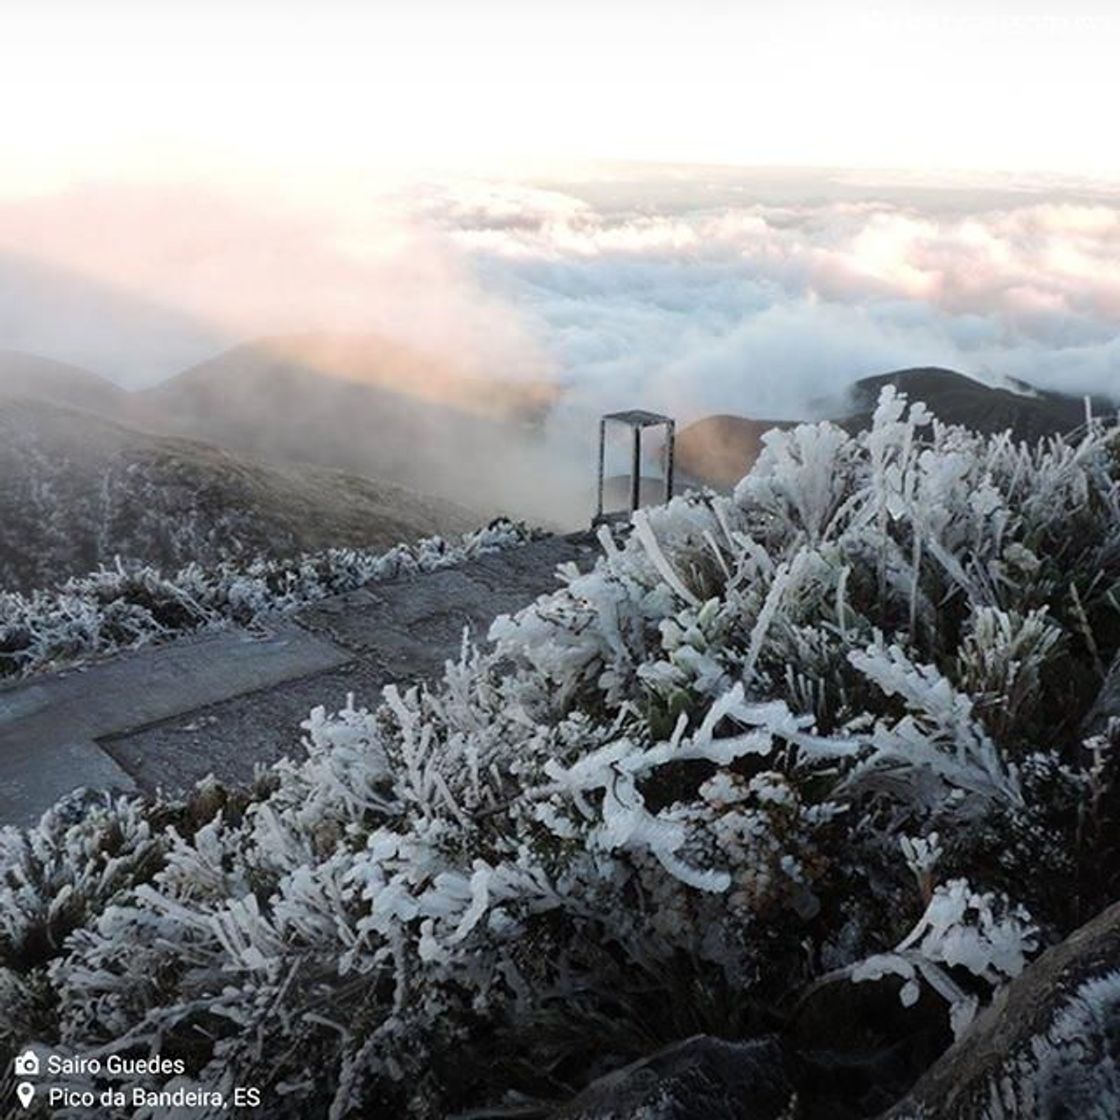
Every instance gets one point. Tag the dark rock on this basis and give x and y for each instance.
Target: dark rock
(1047, 1049)
(857, 1048)
(701, 1078)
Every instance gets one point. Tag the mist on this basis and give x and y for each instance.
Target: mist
(530, 307)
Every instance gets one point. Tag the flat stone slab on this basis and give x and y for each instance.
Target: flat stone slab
(421, 618)
(401, 630)
(232, 738)
(413, 626)
(33, 780)
(48, 729)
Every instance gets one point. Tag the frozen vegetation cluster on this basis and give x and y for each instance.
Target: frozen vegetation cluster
(837, 724)
(63, 515)
(130, 605)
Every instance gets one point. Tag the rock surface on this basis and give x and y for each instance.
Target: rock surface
(856, 1048)
(1048, 1049)
(701, 1078)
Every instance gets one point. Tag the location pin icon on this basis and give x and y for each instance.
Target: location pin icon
(26, 1093)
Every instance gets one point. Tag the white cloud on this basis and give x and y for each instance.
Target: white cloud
(761, 308)
(158, 277)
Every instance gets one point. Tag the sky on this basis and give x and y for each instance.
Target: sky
(690, 206)
(128, 87)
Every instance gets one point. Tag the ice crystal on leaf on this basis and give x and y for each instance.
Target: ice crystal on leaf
(981, 933)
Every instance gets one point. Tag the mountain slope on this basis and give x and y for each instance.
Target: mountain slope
(29, 375)
(80, 490)
(766, 771)
(355, 402)
(719, 450)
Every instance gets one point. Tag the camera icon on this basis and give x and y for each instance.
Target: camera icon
(27, 1064)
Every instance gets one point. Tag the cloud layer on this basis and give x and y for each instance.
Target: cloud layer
(758, 296)
(763, 308)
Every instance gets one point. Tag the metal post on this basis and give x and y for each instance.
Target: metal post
(636, 472)
(602, 466)
(670, 451)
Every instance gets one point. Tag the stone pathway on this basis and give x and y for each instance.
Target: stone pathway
(165, 716)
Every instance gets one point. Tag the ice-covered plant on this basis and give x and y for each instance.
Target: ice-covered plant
(979, 933)
(689, 770)
(121, 608)
(922, 854)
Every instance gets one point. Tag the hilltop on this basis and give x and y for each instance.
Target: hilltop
(1029, 413)
(356, 402)
(719, 450)
(816, 770)
(31, 376)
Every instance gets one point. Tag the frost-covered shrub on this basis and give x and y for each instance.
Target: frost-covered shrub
(982, 934)
(763, 739)
(128, 606)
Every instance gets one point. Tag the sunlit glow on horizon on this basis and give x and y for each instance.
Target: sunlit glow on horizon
(124, 89)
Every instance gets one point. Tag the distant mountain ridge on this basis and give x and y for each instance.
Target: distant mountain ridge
(1030, 414)
(267, 399)
(359, 403)
(371, 407)
(720, 449)
(369, 360)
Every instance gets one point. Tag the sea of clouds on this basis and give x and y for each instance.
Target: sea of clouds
(683, 290)
(770, 308)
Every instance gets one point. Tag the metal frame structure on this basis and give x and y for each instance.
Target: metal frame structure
(636, 419)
